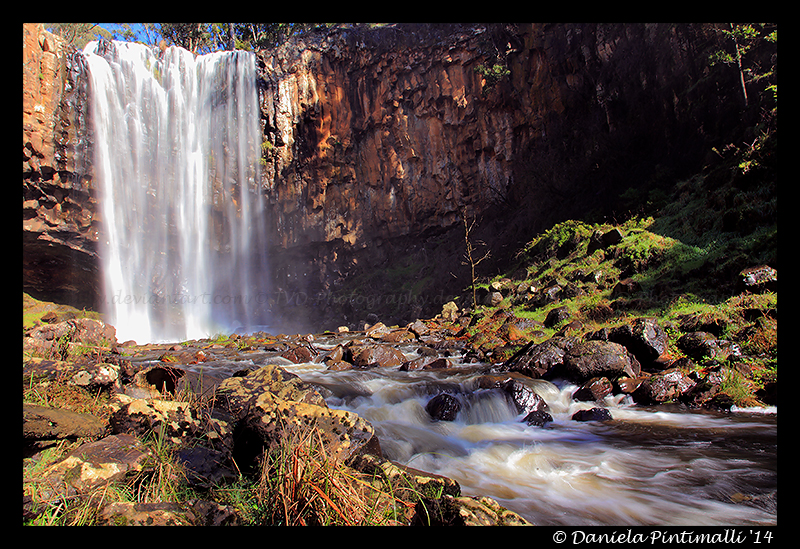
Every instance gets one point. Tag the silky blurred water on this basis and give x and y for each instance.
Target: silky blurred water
(662, 466)
(177, 145)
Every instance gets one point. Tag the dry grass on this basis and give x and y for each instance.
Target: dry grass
(301, 485)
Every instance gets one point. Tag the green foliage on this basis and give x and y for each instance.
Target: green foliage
(78, 34)
(492, 74)
(208, 37)
(745, 45)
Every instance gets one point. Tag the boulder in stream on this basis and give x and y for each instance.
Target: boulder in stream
(443, 407)
(592, 414)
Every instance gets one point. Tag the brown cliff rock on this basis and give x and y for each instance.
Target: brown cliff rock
(60, 228)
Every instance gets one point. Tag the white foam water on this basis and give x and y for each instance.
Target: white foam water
(177, 146)
(650, 466)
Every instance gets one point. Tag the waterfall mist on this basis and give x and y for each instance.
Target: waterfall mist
(177, 157)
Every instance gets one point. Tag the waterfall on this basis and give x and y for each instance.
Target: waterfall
(177, 146)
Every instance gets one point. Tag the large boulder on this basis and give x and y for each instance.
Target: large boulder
(43, 423)
(61, 339)
(666, 386)
(596, 388)
(701, 345)
(443, 407)
(91, 376)
(522, 394)
(92, 465)
(370, 356)
(270, 404)
(173, 420)
(644, 337)
(540, 360)
(594, 358)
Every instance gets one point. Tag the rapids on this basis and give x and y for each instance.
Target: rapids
(664, 466)
(177, 145)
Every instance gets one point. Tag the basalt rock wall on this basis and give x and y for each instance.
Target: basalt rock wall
(60, 221)
(376, 140)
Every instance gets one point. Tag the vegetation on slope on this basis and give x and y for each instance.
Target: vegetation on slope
(679, 262)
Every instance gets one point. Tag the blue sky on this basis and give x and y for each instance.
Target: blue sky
(137, 28)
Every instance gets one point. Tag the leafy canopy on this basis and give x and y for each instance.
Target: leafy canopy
(196, 37)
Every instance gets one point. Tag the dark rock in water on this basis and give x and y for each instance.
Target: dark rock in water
(370, 356)
(706, 391)
(443, 407)
(595, 389)
(377, 330)
(339, 365)
(627, 385)
(425, 363)
(593, 414)
(418, 328)
(299, 354)
(538, 418)
(524, 397)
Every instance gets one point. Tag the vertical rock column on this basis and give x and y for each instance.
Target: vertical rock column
(59, 224)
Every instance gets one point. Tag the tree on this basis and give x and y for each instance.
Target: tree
(78, 34)
(208, 37)
(470, 257)
(195, 37)
(742, 38)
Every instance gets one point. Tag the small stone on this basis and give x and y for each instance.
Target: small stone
(593, 414)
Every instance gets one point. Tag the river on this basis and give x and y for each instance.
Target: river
(664, 465)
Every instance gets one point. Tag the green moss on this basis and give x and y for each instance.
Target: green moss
(34, 309)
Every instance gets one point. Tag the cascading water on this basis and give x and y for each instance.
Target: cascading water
(177, 155)
(664, 466)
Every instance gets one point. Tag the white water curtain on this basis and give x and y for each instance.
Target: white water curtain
(177, 155)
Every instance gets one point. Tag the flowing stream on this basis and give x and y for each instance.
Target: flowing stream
(177, 154)
(662, 466)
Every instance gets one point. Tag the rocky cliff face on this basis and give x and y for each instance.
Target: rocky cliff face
(60, 226)
(377, 139)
